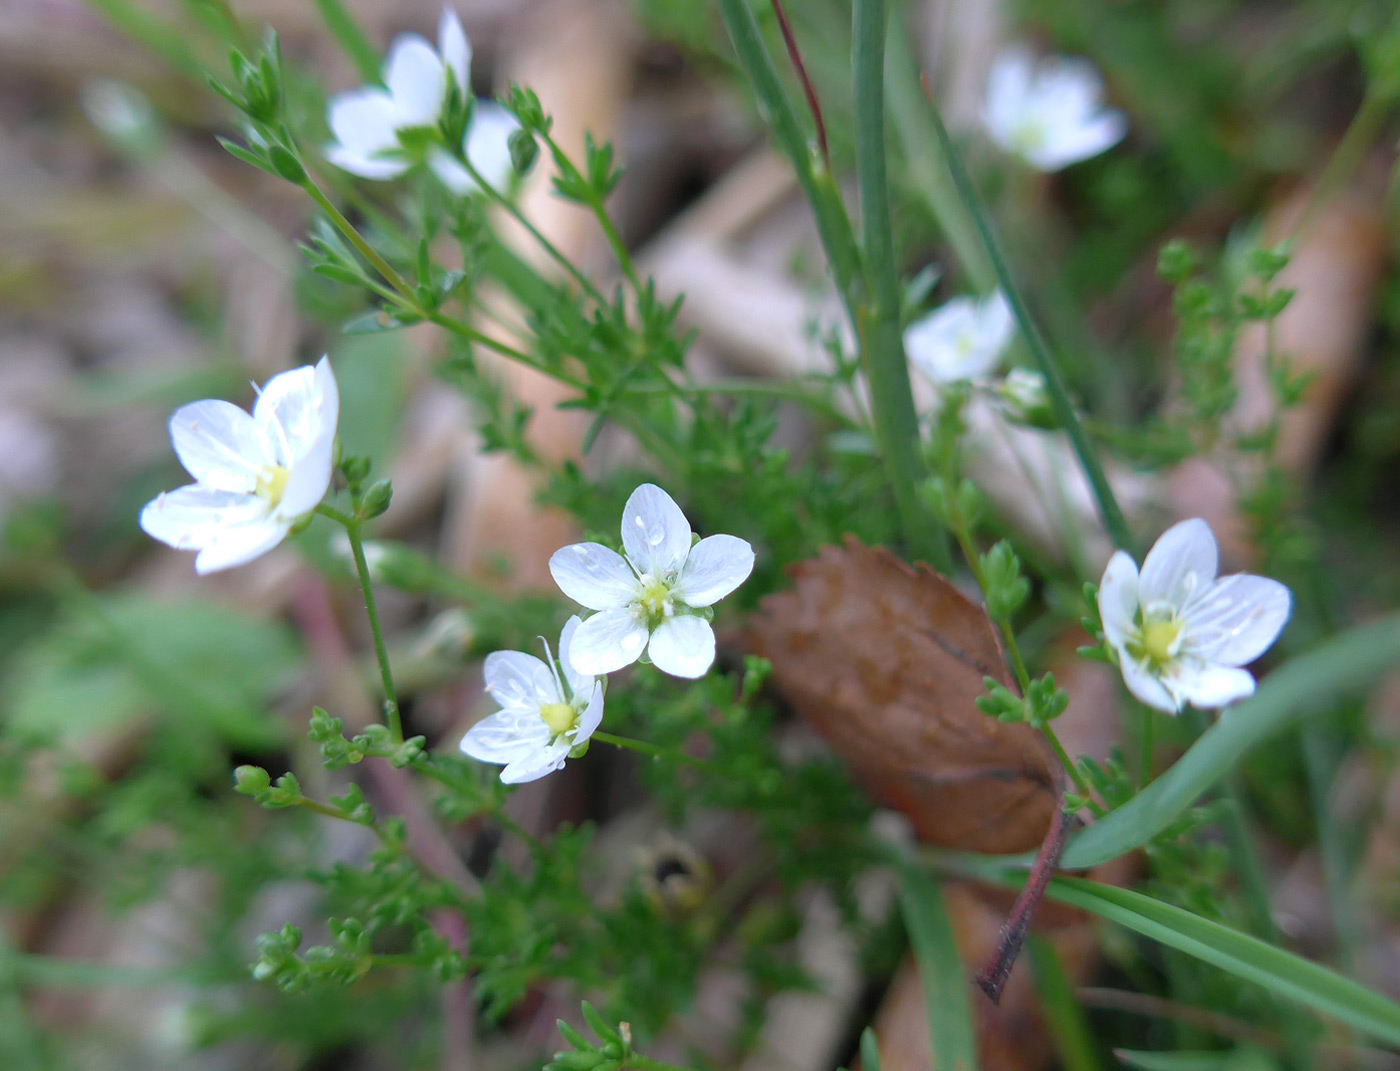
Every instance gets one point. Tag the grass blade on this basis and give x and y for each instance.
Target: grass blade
(1282, 973)
(940, 970)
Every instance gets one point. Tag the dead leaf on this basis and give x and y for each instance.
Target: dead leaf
(885, 660)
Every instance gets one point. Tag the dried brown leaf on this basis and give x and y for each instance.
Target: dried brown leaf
(885, 660)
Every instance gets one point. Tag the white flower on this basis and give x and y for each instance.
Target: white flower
(543, 718)
(656, 594)
(1182, 634)
(487, 146)
(256, 476)
(419, 82)
(1051, 115)
(962, 339)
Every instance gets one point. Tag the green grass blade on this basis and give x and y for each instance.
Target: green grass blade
(1282, 973)
(1176, 1061)
(940, 970)
(1074, 1041)
(1306, 685)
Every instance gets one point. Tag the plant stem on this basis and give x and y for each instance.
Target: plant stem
(881, 341)
(365, 250)
(1109, 509)
(352, 526)
(351, 38)
(1149, 722)
(331, 812)
(642, 747)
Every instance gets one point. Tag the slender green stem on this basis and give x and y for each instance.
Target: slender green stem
(789, 390)
(645, 1063)
(600, 213)
(642, 747)
(1149, 722)
(330, 812)
(1060, 401)
(365, 250)
(352, 526)
(351, 38)
(881, 341)
(513, 210)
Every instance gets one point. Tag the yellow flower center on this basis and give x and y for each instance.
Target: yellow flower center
(272, 484)
(654, 602)
(1159, 640)
(559, 717)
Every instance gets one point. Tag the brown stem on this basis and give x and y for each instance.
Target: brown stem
(809, 90)
(992, 978)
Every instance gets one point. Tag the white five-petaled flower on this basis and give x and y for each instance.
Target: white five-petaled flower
(961, 339)
(1182, 634)
(256, 475)
(1050, 115)
(654, 598)
(543, 716)
(419, 81)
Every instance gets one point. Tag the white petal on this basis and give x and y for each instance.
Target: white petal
(456, 50)
(714, 567)
(450, 172)
(292, 409)
(363, 120)
(240, 543)
(1146, 686)
(1237, 619)
(590, 719)
(1082, 141)
(190, 518)
(655, 533)
(1210, 687)
(521, 683)
(995, 326)
(505, 736)
(593, 576)
(1008, 86)
(312, 443)
(417, 81)
(683, 646)
(606, 642)
(579, 683)
(488, 142)
(1118, 598)
(220, 445)
(537, 764)
(358, 162)
(1181, 565)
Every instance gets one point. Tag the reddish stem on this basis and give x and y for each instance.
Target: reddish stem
(808, 89)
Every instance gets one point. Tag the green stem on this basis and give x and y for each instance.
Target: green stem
(365, 250)
(513, 210)
(881, 341)
(351, 38)
(1149, 722)
(642, 747)
(352, 526)
(1060, 401)
(330, 812)
(645, 1063)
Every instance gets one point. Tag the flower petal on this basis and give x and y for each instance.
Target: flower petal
(313, 455)
(606, 642)
(220, 445)
(1146, 685)
(450, 172)
(191, 518)
(683, 646)
(1180, 566)
(579, 683)
(1008, 86)
(456, 50)
(1082, 141)
(1118, 598)
(655, 533)
(417, 81)
(1210, 687)
(363, 122)
(591, 717)
(593, 576)
(1238, 619)
(240, 543)
(521, 683)
(505, 736)
(536, 764)
(293, 407)
(714, 567)
(366, 165)
(488, 143)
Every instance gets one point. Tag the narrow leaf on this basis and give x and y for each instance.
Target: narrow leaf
(940, 969)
